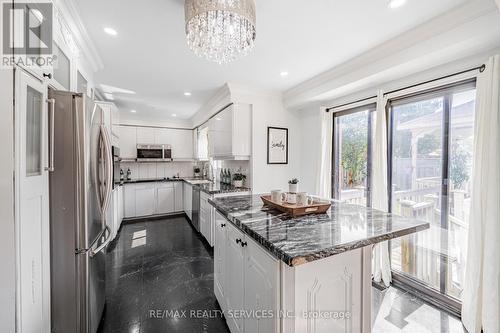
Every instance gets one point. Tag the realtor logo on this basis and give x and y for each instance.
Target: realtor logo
(26, 33)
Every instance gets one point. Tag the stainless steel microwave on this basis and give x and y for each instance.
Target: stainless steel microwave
(154, 153)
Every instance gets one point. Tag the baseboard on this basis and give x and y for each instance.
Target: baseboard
(130, 220)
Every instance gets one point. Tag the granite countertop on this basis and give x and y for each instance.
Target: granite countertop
(209, 188)
(299, 240)
(217, 188)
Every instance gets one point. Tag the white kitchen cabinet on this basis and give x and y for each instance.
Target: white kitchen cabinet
(195, 144)
(220, 259)
(245, 277)
(145, 199)
(188, 199)
(179, 196)
(145, 135)
(234, 279)
(162, 136)
(120, 206)
(128, 142)
(129, 200)
(230, 133)
(206, 221)
(182, 144)
(261, 288)
(165, 198)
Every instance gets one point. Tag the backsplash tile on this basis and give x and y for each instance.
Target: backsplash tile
(158, 170)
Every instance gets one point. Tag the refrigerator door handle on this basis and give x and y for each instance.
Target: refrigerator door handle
(107, 233)
(108, 170)
(52, 103)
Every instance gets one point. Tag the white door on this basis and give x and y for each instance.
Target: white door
(32, 205)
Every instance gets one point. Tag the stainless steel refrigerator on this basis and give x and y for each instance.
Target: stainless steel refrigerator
(80, 180)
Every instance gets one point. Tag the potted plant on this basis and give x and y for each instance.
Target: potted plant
(293, 185)
(196, 171)
(238, 179)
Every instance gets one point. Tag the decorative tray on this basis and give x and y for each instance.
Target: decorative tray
(317, 207)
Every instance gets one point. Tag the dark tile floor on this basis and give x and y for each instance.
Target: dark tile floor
(164, 265)
(159, 266)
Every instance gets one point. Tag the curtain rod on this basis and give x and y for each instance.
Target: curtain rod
(480, 68)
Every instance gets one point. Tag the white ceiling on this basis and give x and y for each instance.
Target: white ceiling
(149, 55)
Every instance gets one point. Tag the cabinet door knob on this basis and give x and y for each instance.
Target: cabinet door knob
(238, 240)
(243, 244)
(47, 75)
(223, 225)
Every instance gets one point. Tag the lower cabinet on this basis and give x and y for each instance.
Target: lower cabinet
(148, 199)
(188, 200)
(165, 199)
(179, 196)
(246, 277)
(145, 196)
(206, 220)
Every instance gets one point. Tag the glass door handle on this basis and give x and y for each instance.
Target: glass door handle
(52, 116)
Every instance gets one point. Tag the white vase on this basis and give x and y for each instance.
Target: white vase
(293, 188)
(238, 183)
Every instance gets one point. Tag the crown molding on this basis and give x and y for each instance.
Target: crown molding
(458, 33)
(69, 10)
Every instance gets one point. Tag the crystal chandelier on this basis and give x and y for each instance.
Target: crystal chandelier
(220, 30)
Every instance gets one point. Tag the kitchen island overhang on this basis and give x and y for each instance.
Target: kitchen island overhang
(322, 263)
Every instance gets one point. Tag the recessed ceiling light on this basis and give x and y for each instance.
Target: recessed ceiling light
(393, 4)
(110, 31)
(284, 74)
(187, 93)
(174, 115)
(133, 111)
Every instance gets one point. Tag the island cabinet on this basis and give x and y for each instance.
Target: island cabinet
(246, 281)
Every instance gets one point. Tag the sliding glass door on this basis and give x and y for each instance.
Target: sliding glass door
(352, 151)
(431, 151)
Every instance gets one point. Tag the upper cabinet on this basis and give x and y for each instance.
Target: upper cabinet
(202, 144)
(145, 135)
(181, 141)
(128, 142)
(182, 144)
(111, 120)
(229, 133)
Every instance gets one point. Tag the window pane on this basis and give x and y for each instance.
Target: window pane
(460, 169)
(33, 132)
(61, 68)
(416, 186)
(351, 166)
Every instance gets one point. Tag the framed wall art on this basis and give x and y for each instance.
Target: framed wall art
(277, 145)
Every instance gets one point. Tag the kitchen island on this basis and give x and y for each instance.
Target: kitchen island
(274, 273)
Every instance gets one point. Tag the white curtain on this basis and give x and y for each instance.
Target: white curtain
(381, 266)
(481, 295)
(324, 173)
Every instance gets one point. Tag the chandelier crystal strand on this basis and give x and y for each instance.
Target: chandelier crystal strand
(220, 30)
